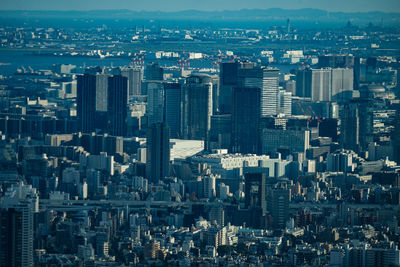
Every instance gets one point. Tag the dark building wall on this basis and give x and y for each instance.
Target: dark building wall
(10, 238)
(173, 108)
(117, 105)
(255, 186)
(245, 120)
(157, 152)
(86, 102)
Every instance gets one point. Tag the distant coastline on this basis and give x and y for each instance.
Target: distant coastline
(244, 15)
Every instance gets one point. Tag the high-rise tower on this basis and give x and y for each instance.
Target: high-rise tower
(157, 152)
(155, 102)
(173, 108)
(245, 120)
(197, 106)
(86, 102)
(16, 225)
(117, 105)
(134, 76)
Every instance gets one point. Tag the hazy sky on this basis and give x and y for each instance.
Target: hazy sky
(209, 5)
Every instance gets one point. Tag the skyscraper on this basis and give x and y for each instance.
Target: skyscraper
(267, 80)
(228, 80)
(249, 75)
(157, 152)
(284, 141)
(11, 237)
(350, 127)
(252, 76)
(154, 72)
(16, 225)
(335, 61)
(356, 130)
(255, 190)
(197, 106)
(117, 105)
(220, 131)
(173, 108)
(86, 102)
(321, 84)
(285, 103)
(134, 76)
(396, 136)
(270, 92)
(245, 120)
(341, 84)
(328, 84)
(92, 101)
(278, 198)
(155, 102)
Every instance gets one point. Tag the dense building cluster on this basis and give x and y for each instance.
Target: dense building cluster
(279, 157)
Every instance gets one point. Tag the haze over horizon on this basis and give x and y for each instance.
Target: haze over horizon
(205, 5)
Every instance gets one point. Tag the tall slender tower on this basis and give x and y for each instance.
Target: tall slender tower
(157, 152)
(396, 136)
(92, 88)
(155, 102)
(245, 120)
(227, 80)
(117, 105)
(198, 107)
(86, 102)
(173, 108)
(267, 79)
(134, 76)
(255, 186)
(16, 225)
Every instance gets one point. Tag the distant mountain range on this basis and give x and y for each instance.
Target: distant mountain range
(257, 15)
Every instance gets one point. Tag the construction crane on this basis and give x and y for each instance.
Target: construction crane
(302, 110)
(315, 115)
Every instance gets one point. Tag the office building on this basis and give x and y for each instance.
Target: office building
(197, 107)
(155, 102)
(173, 108)
(278, 198)
(335, 61)
(228, 80)
(154, 72)
(18, 205)
(117, 105)
(396, 137)
(285, 103)
(135, 77)
(328, 84)
(342, 83)
(86, 102)
(251, 76)
(215, 93)
(356, 129)
(157, 152)
(341, 161)
(269, 92)
(255, 186)
(209, 188)
(245, 120)
(284, 141)
(220, 132)
(216, 216)
(342, 61)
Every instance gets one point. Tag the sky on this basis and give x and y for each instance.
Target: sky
(206, 5)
